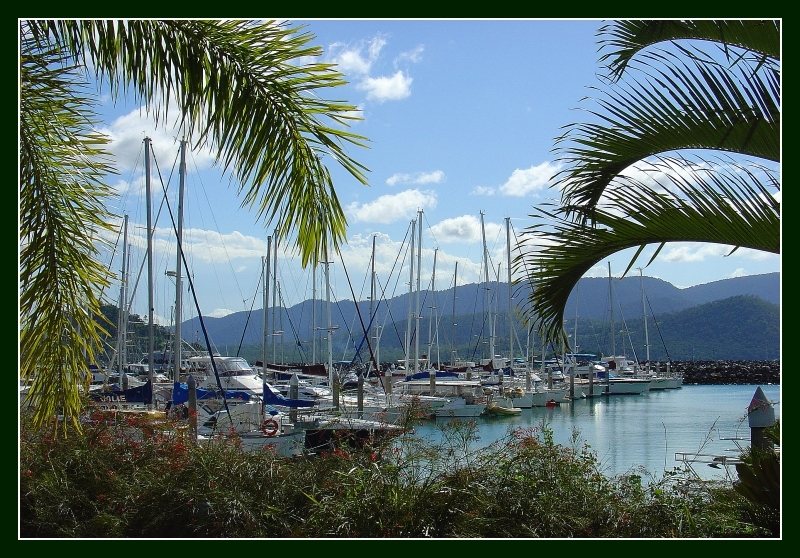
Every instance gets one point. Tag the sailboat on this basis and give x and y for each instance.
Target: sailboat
(619, 373)
(526, 391)
(658, 381)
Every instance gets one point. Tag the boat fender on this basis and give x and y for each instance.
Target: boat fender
(269, 427)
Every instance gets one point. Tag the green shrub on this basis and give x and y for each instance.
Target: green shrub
(140, 477)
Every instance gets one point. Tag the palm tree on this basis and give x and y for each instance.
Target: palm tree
(681, 145)
(240, 87)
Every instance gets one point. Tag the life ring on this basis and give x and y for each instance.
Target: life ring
(269, 427)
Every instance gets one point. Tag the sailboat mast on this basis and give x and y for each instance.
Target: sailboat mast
(453, 321)
(575, 330)
(127, 306)
(644, 316)
(176, 350)
(372, 294)
(591, 372)
(410, 296)
(280, 320)
(314, 314)
(613, 344)
(274, 293)
(122, 322)
(496, 300)
(510, 316)
(330, 327)
(611, 301)
(417, 309)
(432, 318)
(150, 304)
(265, 332)
(486, 300)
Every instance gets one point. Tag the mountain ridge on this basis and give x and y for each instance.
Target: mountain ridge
(589, 302)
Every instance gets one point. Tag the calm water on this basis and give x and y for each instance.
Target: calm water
(627, 431)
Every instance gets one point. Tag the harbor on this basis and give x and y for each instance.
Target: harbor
(641, 432)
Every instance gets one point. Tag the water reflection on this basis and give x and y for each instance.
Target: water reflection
(633, 431)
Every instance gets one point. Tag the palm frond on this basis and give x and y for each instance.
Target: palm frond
(240, 89)
(62, 211)
(622, 40)
(721, 202)
(677, 105)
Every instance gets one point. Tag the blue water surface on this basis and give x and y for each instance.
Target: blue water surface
(631, 432)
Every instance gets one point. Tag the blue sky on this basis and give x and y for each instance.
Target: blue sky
(460, 117)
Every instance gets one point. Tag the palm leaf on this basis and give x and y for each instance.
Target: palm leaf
(622, 40)
(62, 212)
(677, 105)
(239, 89)
(720, 201)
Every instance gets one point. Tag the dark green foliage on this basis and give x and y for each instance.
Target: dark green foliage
(760, 482)
(137, 478)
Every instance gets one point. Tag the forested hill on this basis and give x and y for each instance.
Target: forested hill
(705, 321)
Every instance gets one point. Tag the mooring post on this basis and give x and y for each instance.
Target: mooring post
(760, 416)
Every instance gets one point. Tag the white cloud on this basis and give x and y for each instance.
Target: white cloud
(599, 270)
(432, 177)
(738, 272)
(523, 182)
(127, 135)
(693, 252)
(414, 55)
(135, 187)
(374, 47)
(211, 246)
(393, 207)
(200, 245)
(351, 61)
(698, 252)
(220, 312)
(482, 191)
(356, 59)
(464, 229)
(387, 88)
